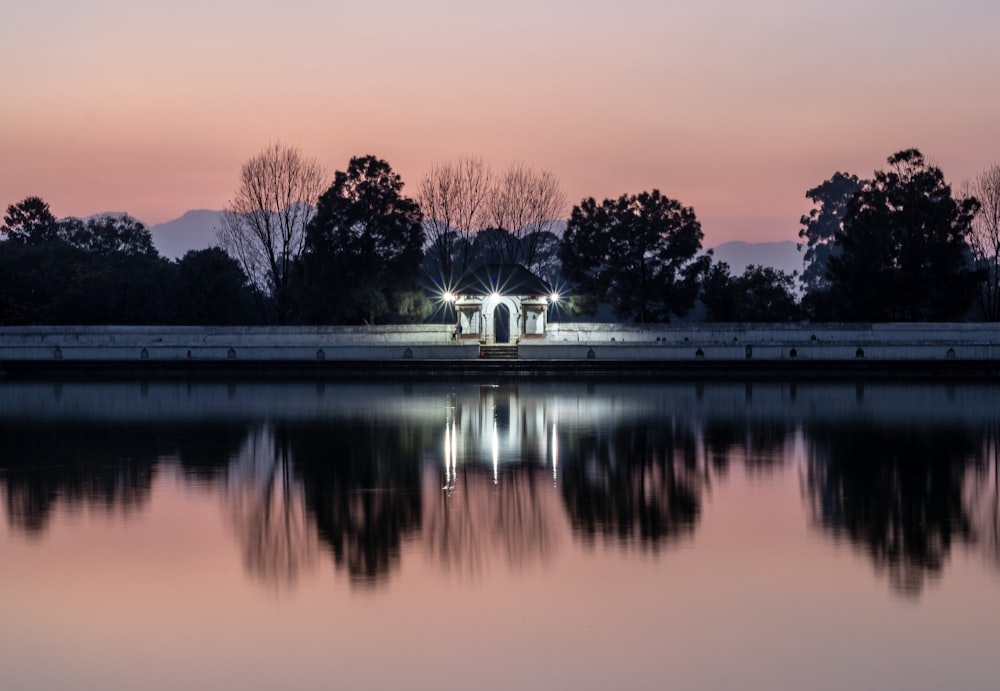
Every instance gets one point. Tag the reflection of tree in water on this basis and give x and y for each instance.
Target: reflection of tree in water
(896, 492)
(759, 443)
(640, 482)
(477, 519)
(103, 467)
(982, 494)
(205, 450)
(268, 510)
(361, 482)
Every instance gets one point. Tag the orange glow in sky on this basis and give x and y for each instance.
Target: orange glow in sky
(733, 108)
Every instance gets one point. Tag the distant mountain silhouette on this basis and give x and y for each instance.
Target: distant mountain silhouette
(195, 230)
(782, 255)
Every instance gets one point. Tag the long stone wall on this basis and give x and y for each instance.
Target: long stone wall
(254, 344)
(564, 343)
(773, 334)
(769, 342)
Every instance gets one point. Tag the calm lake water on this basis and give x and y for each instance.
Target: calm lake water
(478, 536)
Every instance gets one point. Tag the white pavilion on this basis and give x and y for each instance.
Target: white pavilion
(501, 303)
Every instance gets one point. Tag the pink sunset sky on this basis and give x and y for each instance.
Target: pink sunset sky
(732, 107)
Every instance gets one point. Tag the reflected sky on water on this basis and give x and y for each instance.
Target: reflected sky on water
(591, 535)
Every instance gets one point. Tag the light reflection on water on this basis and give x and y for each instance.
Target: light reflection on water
(398, 487)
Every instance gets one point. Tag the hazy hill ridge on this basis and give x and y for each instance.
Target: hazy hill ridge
(195, 230)
(782, 255)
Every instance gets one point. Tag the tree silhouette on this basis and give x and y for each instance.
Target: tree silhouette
(264, 226)
(363, 248)
(902, 251)
(761, 294)
(821, 225)
(637, 253)
(528, 204)
(30, 222)
(210, 288)
(453, 197)
(48, 284)
(984, 239)
(112, 235)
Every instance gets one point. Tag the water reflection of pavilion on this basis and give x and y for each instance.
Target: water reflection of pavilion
(498, 428)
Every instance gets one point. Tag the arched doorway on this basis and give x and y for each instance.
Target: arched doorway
(501, 323)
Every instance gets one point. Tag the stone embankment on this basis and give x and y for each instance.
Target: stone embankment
(221, 344)
(772, 342)
(970, 350)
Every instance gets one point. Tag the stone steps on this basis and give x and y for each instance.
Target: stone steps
(498, 352)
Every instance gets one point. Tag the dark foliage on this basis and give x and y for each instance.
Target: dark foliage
(902, 253)
(363, 248)
(637, 253)
(30, 222)
(639, 484)
(362, 488)
(761, 294)
(106, 270)
(211, 288)
(113, 235)
(821, 224)
(896, 494)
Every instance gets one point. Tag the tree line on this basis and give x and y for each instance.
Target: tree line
(900, 246)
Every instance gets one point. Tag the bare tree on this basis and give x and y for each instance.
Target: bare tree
(521, 207)
(264, 226)
(528, 204)
(453, 198)
(984, 240)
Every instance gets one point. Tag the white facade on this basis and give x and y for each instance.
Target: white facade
(500, 318)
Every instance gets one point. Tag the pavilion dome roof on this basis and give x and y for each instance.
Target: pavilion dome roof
(505, 279)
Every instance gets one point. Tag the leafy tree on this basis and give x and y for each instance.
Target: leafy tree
(902, 251)
(414, 307)
(718, 293)
(30, 222)
(136, 289)
(820, 225)
(109, 235)
(363, 249)
(761, 294)
(46, 284)
(638, 252)
(211, 288)
(101, 271)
